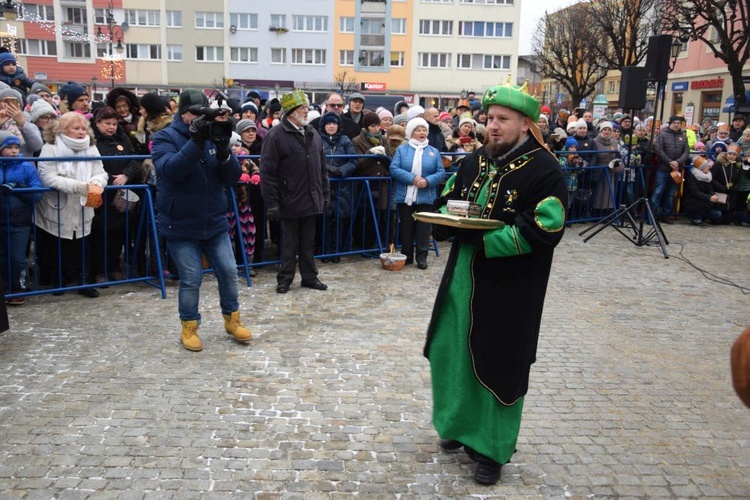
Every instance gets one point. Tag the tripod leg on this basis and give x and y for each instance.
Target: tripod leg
(660, 236)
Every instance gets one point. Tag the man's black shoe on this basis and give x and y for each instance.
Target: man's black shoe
(487, 473)
(282, 288)
(449, 445)
(316, 285)
(89, 292)
(422, 264)
(665, 220)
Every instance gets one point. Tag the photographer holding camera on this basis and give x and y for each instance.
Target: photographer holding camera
(194, 166)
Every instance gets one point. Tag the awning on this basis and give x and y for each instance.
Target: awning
(729, 103)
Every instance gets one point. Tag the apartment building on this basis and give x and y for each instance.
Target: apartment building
(428, 49)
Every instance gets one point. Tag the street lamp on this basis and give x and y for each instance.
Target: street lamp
(114, 32)
(276, 88)
(675, 50)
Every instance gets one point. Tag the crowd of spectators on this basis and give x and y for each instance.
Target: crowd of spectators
(699, 170)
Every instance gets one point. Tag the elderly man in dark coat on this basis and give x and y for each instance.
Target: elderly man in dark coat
(294, 183)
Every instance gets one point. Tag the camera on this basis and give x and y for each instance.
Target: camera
(218, 130)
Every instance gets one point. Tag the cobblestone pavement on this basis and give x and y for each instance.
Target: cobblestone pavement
(630, 396)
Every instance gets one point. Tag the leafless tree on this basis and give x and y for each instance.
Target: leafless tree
(624, 26)
(723, 25)
(345, 83)
(565, 49)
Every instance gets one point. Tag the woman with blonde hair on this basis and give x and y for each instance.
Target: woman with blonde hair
(64, 215)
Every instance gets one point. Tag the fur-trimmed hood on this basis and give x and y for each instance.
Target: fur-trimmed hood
(117, 92)
(155, 124)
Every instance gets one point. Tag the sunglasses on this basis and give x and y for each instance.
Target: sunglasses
(335, 105)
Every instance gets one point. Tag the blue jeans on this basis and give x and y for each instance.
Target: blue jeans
(663, 196)
(187, 256)
(13, 243)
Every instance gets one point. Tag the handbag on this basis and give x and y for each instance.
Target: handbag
(722, 198)
(676, 176)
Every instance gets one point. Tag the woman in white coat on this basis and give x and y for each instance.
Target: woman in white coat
(63, 216)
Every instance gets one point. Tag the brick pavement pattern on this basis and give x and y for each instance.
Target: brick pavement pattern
(630, 396)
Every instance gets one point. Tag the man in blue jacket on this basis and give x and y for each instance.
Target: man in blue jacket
(193, 171)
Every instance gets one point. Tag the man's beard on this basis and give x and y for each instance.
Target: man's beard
(300, 118)
(495, 150)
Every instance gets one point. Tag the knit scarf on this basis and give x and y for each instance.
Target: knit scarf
(416, 168)
(78, 170)
(374, 138)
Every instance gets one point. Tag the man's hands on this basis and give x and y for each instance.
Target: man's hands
(200, 130)
(272, 213)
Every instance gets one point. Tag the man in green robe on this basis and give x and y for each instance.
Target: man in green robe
(483, 334)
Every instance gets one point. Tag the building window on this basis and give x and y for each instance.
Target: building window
(372, 58)
(37, 47)
(434, 60)
(463, 61)
(101, 15)
(372, 32)
(437, 1)
(174, 19)
(496, 62)
(244, 21)
(174, 52)
(77, 50)
(141, 17)
(209, 54)
(243, 54)
(209, 20)
(398, 59)
(143, 51)
(278, 20)
(35, 12)
(346, 25)
(308, 56)
(434, 27)
(488, 2)
(317, 24)
(76, 15)
(346, 58)
(278, 56)
(485, 29)
(398, 26)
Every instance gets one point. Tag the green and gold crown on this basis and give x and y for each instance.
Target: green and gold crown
(514, 97)
(293, 99)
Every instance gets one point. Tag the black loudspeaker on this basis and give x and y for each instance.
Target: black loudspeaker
(633, 88)
(657, 58)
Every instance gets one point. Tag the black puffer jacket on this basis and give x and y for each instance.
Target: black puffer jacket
(671, 146)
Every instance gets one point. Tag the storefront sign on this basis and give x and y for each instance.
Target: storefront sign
(716, 83)
(40, 76)
(679, 86)
(373, 86)
(689, 114)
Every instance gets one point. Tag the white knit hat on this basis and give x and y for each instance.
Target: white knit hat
(39, 109)
(467, 118)
(414, 112)
(581, 123)
(413, 124)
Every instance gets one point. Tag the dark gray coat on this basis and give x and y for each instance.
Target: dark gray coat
(671, 146)
(293, 172)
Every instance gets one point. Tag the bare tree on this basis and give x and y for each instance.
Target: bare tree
(723, 25)
(624, 26)
(566, 51)
(345, 83)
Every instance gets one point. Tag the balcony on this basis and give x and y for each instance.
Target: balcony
(71, 31)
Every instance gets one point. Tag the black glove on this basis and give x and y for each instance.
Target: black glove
(272, 213)
(200, 130)
(474, 237)
(7, 188)
(335, 172)
(222, 154)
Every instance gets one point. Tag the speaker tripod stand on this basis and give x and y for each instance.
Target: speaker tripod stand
(626, 221)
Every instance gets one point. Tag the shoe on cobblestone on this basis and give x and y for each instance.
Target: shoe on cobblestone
(16, 301)
(487, 473)
(234, 327)
(449, 445)
(190, 339)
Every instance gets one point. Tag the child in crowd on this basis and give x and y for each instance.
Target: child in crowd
(247, 228)
(571, 165)
(15, 215)
(744, 143)
(13, 75)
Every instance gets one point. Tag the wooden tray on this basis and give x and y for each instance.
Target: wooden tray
(456, 221)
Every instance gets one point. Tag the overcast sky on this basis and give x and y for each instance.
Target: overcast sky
(531, 12)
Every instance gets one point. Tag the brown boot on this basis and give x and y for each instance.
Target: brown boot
(190, 339)
(233, 325)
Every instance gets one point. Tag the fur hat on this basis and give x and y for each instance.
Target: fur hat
(414, 112)
(39, 109)
(153, 104)
(8, 139)
(190, 97)
(396, 132)
(245, 124)
(71, 91)
(370, 119)
(413, 124)
(11, 93)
